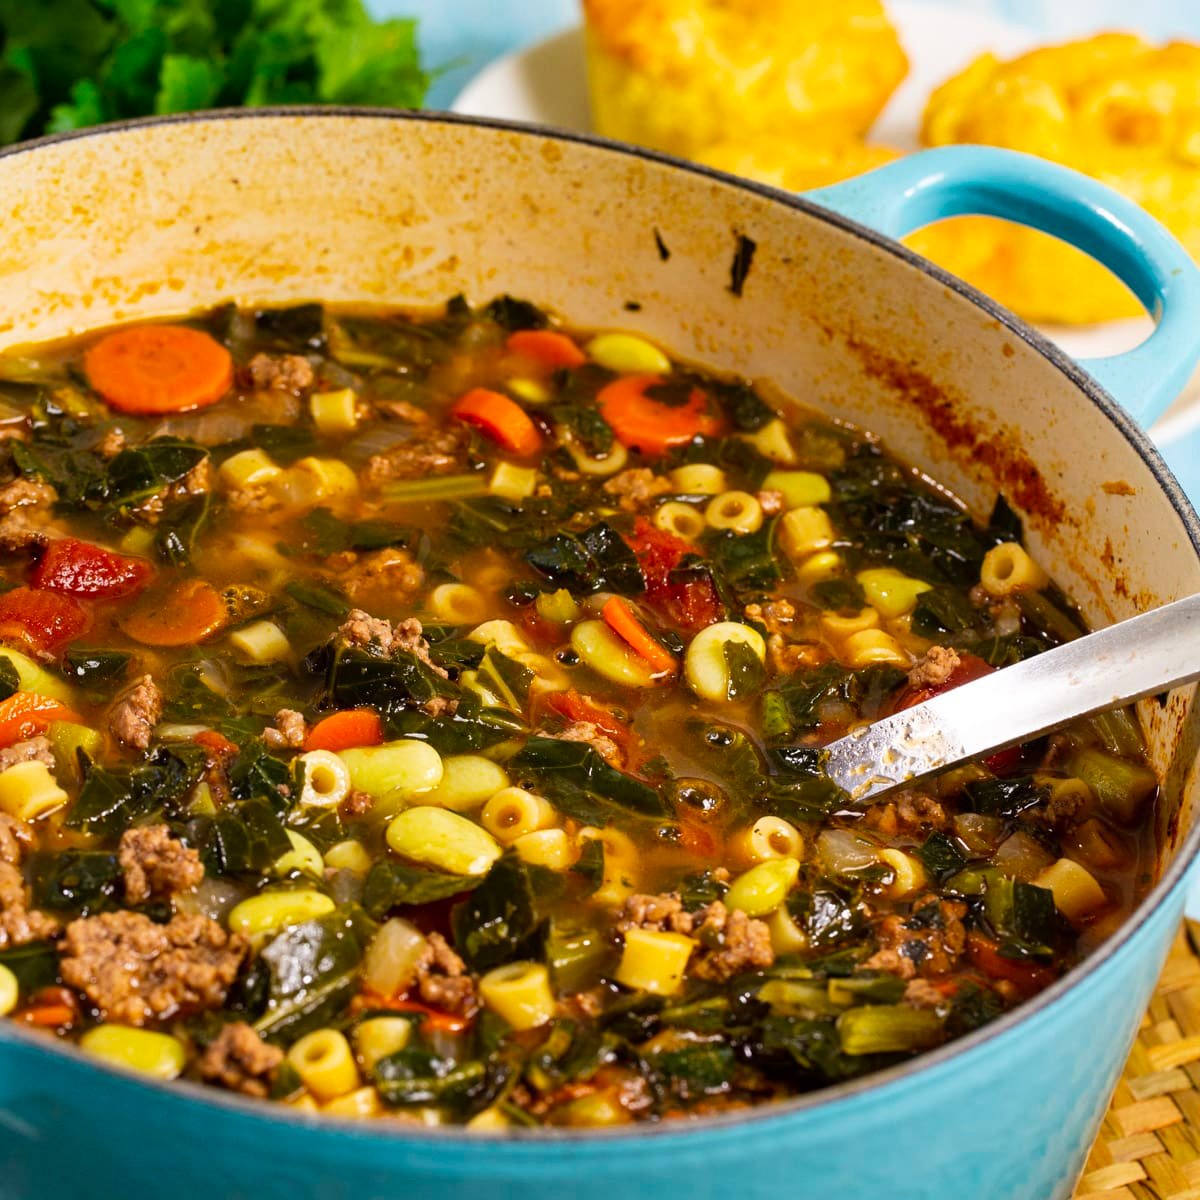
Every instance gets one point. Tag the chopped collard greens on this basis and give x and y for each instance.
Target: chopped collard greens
(421, 717)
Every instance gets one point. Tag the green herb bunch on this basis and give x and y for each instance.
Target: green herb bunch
(66, 64)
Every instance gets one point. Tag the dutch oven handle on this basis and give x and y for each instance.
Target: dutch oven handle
(955, 181)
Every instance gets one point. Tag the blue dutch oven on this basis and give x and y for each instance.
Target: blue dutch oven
(167, 216)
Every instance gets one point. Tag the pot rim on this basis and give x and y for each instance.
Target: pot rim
(530, 1140)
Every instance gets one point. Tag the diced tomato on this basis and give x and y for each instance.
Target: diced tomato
(41, 621)
(218, 743)
(433, 1020)
(1027, 977)
(970, 667)
(574, 707)
(82, 569)
(26, 714)
(693, 604)
(542, 633)
(698, 840)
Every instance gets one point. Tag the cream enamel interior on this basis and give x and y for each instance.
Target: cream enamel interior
(166, 218)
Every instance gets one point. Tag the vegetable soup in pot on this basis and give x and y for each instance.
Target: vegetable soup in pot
(420, 718)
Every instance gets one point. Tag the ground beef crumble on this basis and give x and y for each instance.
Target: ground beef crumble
(730, 941)
(356, 804)
(289, 731)
(770, 501)
(135, 715)
(435, 452)
(16, 838)
(282, 372)
(19, 924)
(935, 668)
(34, 749)
(135, 971)
(594, 736)
(927, 942)
(238, 1059)
(366, 632)
(24, 514)
(775, 616)
(156, 865)
(442, 979)
(391, 571)
(635, 488)
(910, 814)
(111, 444)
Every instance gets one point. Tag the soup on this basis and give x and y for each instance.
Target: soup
(420, 718)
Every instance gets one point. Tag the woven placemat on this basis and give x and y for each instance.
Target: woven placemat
(1149, 1144)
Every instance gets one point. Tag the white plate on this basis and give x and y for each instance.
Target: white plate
(545, 84)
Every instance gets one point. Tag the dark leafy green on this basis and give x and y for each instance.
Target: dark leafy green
(499, 919)
(581, 783)
(312, 971)
(391, 884)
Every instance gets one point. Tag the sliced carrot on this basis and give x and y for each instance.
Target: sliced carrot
(501, 419)
(26, 714)
(544, 346)
(346, 730)
(620, 618)
(159, 369)
(188, 613)
(50, 1008)
(646, 424)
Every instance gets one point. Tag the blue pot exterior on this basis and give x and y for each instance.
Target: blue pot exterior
(1009, 1118)
(1007, 1114)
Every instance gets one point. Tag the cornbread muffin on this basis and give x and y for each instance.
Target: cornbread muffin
(1112, 106)
(684, 75)
(797, 168)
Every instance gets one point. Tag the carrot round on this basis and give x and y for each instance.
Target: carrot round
(346, 730)
(620, 618)
(544, 346)
(499, 418)
(643, 423)
(26, 714)
(190, 612)
(159, 369)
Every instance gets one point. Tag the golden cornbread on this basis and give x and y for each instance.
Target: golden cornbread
(796, 167)
(683, 75)
(1112, 106)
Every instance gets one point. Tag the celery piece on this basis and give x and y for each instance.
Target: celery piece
(1118, 732)
(1120, 786)
(577, 956)
(887, 1029)
(66, 740)
(439, 487)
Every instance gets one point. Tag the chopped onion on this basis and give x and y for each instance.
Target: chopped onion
(213, 897)
(390, 964)
(1023, 857)
(842, 851)
(979, 833)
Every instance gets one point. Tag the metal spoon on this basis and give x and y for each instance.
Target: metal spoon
(1140, 657)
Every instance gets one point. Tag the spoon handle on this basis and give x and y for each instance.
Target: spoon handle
(1147, 654)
